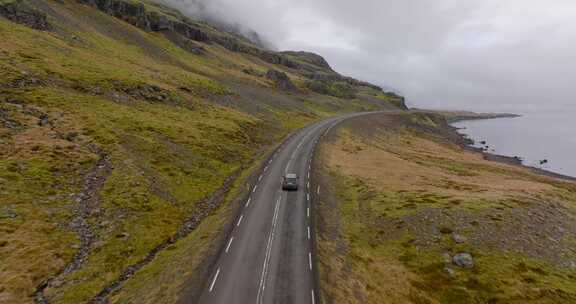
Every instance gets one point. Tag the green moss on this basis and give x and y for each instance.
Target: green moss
(144, 101)
(393, 99)
(336, 89)
(161, 280)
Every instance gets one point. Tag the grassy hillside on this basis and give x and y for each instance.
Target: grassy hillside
(405, 206)
(126, 131)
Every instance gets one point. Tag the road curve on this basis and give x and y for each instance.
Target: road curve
(269, 256)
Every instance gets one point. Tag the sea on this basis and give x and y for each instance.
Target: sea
(545, 139)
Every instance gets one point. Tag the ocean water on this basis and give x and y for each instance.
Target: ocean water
(534, 137)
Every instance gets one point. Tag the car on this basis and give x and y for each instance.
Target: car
(290, 182)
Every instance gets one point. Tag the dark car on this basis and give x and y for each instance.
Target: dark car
(290, 182)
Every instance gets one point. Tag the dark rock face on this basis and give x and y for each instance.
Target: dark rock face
(323, 77)
(281, 80)
(190, 32)
(137, 15)
(21, 13)
(311, 58)
(159, 22)
(324, 80)
(150, 93)
(276, 58)
(132, 13)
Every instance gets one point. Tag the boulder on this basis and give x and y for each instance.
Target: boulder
(458, 238)
(449, 271)
(463, 260)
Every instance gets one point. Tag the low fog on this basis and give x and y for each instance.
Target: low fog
(484, 55)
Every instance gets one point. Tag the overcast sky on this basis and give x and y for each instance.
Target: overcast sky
(493, 55)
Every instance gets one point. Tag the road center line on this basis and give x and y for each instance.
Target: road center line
(308, 196)
(240, 220)
(288, 166)
(308, 232)
(307, 211)
(268, 253)
(214, 281)
(313, 297)
(310, 260)
(300, 145)
(232, 239)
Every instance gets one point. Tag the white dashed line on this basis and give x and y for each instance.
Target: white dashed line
(308, 196)
(248, 202)
(308, 185)
(308, 232)
(313, 297)
(232, 239)
(268, 253)
(288, 166)
(214, 281)
(260, 178)
(240, 220)
(310, 260)
(254, 190)
(318, 190)
(307, 211)
(308, 174)
(266, 168)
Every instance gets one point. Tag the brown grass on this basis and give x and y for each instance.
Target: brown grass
(396, 197)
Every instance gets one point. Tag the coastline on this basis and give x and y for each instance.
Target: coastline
(406, 193)
(467, 143)
(457, 116)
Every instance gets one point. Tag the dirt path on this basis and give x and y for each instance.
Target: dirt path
(86, 205)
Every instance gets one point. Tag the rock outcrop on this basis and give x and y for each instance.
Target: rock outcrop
(311, 58)
(21, 13)
(323, 79)
(281, 80)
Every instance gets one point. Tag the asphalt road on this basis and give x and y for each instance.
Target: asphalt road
(268, 258)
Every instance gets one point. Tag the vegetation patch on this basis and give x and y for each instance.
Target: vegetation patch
(410, 218)
(166, 100)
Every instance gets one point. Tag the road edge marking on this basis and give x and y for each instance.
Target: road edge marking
(229, 243)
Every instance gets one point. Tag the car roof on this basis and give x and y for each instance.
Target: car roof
(291, 175)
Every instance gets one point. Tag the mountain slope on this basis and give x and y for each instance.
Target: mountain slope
(126, 131)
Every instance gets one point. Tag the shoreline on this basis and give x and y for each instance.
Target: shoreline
(458, 116)
(467, 143)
